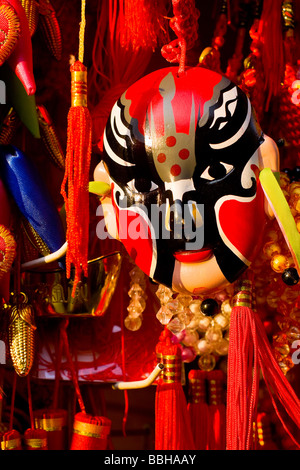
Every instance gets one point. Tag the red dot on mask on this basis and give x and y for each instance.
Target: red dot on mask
(175, 170)
(184, 154)
(171, 141)
(161, 158)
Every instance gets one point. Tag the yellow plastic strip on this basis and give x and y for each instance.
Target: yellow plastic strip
(282, 213)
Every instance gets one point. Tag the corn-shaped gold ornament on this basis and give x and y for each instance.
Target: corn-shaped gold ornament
(9, 127)
(32, 14)
(36, 241)
(50, 138)
(50, 28)
(21, 336)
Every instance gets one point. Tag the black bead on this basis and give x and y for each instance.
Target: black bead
(209, 307)
(296, 173)
(290, 277)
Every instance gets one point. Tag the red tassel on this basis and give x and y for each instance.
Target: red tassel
(35, 439)
(11, 440)
(144, 23)
(185, 26)
(249, 351)
(198, 408)
(272, 54)
(216, 410)
(54, 423)
(172, 423)
(264, 434)
(90, 432)
(76, 179)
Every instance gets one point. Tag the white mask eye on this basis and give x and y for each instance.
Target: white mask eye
(216, 171)
(141, 185)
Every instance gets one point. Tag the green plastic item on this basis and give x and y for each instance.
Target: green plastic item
(24, 105)
(99, 187)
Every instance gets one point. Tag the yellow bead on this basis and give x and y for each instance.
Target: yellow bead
(284, 180)
(272, 235)
(207, 362)
(203, 347)
(271, 248)
(279, 263)
(133, 324)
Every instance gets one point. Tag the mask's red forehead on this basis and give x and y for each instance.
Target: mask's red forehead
(196, 85)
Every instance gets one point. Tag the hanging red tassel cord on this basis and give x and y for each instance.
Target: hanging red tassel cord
(272, 52)
(249, 352)
(216, 410)
(198, 408)
(76, 179)
(125, 37)
(90, 432)
(144, 22)
(34, 438)
(252, 78)
(11, 439)
(172, 423)
(287, 123)
(210, 57)
(185, 26)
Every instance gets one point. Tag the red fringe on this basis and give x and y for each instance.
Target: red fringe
(75, 190)
(172, 423)
(90, 432)
(249, 351)
(217, 411)
(198, 409)
(35, 439)
(273, 52)
(11, 440)
(145, 23)
(54, 423)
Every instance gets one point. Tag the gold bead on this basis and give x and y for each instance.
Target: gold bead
(271, 248)
(279, 263)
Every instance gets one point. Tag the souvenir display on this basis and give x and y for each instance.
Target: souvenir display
(149, 226)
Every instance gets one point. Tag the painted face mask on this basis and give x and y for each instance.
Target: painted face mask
(183, 155)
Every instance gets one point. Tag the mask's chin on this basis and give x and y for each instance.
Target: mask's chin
(198, 278)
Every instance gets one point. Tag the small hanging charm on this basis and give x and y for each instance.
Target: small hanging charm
(21, 334)
(137, 302)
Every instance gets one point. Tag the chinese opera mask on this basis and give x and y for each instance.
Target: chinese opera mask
(182, 156)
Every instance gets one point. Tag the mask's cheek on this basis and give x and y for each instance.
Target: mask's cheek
(241, 222)
(136, 234)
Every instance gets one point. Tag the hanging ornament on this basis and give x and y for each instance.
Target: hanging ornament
(210, 56)
(11, 440)
(20, 59)
(21, 334)
(216, 410)
(185, 25)
(250, 352)
(90, 432)
(236, 61)
(34, 438)
(145, 23)
(7, 250)
(76, 179)
(50, 28)
(138, 297)
(10, 30)
(172, 423)
(54, 423)
(198, 408)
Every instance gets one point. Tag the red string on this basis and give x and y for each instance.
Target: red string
(64, 337)
(30, 403)
(12, 405)
(185, 26)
